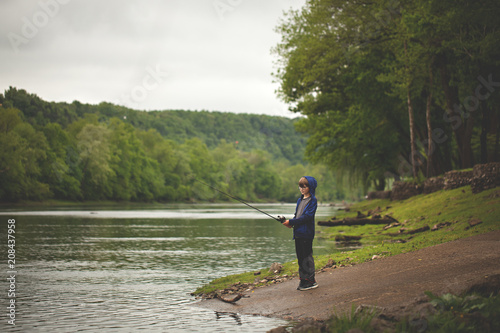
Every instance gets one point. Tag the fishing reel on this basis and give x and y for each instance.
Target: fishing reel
(282, 219)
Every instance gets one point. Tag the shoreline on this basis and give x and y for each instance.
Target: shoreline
(395, 286)
(459, 214)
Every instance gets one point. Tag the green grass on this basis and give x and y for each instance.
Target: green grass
(457, 207)
(457, 314)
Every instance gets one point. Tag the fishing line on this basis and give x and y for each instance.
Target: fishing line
(240, 200)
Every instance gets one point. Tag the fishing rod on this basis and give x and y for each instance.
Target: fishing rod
(280, 219)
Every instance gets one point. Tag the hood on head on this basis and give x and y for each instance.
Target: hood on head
(312, 185)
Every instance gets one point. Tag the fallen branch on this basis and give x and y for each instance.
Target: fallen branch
(347, 238)
(413, 231)
(232, 301)
(348, 221)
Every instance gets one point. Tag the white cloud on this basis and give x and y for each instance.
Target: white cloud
(95, 51)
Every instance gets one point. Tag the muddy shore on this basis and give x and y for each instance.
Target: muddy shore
(395, 285)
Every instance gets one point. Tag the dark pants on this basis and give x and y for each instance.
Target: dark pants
(304, 250)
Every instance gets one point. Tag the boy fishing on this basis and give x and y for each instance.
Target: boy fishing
(303, 232)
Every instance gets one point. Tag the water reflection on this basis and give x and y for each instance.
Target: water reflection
(235, 316)
(125, 274)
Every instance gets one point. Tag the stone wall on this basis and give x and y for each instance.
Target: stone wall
(379, 195)
(485, 176)
(456, 179)
(405, 190)
(482, 177)
(433, 185)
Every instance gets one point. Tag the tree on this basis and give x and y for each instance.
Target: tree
(135, 176)
(356, 69)
(325, 74)
(22, 150)
(60, 169)
(94, 151)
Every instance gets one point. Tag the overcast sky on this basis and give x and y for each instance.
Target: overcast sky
(148, 55)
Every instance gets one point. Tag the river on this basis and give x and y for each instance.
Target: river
(123, 270)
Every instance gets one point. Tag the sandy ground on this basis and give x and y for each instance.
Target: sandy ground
(387, 282)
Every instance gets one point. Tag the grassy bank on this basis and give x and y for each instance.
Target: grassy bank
(454, 211)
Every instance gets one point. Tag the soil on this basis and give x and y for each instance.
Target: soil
(393, 284)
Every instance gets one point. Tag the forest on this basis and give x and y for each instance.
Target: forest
(82, 152)
(393, 89)
(384, 90)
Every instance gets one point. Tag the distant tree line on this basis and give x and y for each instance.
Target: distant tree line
(106, 152)
(394, 88)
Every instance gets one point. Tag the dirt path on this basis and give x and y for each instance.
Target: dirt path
(388, 282)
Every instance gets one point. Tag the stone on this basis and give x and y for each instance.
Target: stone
(433, 185)
(455, 179)
(486, 176)
(276, 268)
(379, 195)
(404, 190)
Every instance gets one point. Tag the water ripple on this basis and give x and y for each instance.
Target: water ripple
(122, 275)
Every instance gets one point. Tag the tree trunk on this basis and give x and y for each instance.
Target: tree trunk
(413, 146)
(430, 150)
(380, 184)
(496, 151)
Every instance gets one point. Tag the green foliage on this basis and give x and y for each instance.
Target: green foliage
(22, 151)
(353, 69)
(107, 152)
(358, 318)
(457, 314)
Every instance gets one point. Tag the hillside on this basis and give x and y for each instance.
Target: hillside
(82, 152)
(275, 135)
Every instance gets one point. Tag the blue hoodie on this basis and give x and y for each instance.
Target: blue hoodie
(303, 227)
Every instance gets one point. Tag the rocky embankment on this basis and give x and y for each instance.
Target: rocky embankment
(480, 178)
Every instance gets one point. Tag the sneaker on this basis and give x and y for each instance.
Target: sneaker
(301, 284)
(308, 285)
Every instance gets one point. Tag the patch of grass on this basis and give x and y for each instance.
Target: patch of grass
(456, 207)
(359, 319)
(456, 314)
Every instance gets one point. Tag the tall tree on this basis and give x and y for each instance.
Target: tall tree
(94, 151)
(351, 64)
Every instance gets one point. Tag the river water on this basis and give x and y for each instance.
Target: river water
(134, 269)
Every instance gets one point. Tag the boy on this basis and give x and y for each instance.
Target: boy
(303, 231)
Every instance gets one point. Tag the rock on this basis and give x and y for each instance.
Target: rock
(433, 185)
(276, 268)
(330, 263)
(440, 225)
(375, 211)
(473, 223)
(379, 195)
(482, 177)
(455, 179)
(486, 176)
(281, 329)
(404, 190)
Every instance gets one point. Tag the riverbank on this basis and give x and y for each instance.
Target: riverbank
(442, 216)
(453, 215)
(393, 286)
